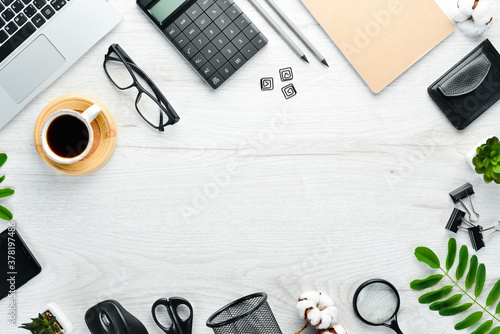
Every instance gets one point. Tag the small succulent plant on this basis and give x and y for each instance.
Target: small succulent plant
(44, 324)
(487, 160)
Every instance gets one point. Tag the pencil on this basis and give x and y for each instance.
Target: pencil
(296, 30)
(280, 31)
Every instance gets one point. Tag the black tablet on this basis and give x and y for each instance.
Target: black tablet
(18, 265)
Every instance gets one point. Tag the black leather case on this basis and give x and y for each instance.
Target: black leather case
(470, 87)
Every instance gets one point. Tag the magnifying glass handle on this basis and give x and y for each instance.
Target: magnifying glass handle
(394, 326)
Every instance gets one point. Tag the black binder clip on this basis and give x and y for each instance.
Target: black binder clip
(456, 219)
(465, 191)
(476, 237)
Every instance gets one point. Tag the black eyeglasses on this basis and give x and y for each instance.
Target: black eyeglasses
(150, 103)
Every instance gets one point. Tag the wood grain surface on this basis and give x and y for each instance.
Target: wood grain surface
(249, 192)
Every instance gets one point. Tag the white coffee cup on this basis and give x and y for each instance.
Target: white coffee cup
(85, 118)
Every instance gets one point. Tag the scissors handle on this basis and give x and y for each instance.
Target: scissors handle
(179, 326)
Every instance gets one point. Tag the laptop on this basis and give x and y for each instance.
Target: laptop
(40, 40)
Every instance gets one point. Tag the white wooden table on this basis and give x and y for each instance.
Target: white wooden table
(249, 192)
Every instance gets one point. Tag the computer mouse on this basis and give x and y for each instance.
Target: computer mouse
(109, 317)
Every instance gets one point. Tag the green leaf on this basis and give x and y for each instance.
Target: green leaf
(452, 253)
(3, 159)
(480, 279)
(432, 296)
(484, 327)
(469, 321)
(471, 276)
(441, 304)
(449, 311)
(425, 283)
(2, 178)
(5, 214)
(494, 294)
(495, 330)
(463, 258)
(497, 310)
(6, 192)
(424, 254)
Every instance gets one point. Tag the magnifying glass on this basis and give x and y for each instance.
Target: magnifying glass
(376, 303)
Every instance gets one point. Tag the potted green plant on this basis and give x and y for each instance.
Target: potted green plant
(485, 160)
(49, 321)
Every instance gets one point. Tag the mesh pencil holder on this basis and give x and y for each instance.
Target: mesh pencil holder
(247, 315)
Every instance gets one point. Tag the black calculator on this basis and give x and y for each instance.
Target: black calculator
(214, 36)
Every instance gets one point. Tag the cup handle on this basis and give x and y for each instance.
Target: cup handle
(91, 113)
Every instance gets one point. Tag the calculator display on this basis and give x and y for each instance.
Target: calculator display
(164, 8)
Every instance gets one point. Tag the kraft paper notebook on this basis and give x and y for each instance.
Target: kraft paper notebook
(382, 38)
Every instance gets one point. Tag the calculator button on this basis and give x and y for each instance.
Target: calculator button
(238, 60)
(231, 31)
(211, 31)
(192, 31)
(194, 11)
(172, 31)
(251, 31)
(233, 12)
(220, 41)
(249, 51)
(229, 51)
(215, 81)
(214, 11)
(180, 41)
(200, 41)
(202, 21)
(205, 4)
(207, 71)
(222, 21)
(240, 41)
(218, 60)
(208, 51)
(242, 21)
(183, 21)
(227, 70)
(259, 41)
(198, 61)
(189, 51)
(225, 4)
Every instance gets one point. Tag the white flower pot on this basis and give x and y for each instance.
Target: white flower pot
(472, 153)
(60, 316)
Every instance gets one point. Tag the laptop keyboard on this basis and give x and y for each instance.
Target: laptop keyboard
(19, 19)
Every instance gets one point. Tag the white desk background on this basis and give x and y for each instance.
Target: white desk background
(320, 192)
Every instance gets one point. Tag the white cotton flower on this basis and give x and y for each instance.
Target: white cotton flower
(319, 310)
(335, 329)
(466, 7)
(473, 17)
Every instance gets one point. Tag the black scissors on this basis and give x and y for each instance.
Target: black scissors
(179, 326)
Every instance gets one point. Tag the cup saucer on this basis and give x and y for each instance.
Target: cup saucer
(104, 128)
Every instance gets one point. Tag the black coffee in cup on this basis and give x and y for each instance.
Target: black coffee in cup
(67, 136)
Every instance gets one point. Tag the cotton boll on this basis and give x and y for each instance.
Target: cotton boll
(473, 21)
(324, 301)
(313, 296)
(340, 329)
(468, 28)
(466, 7)
(303, 305)
(458, 16)
(314, 316)
(332, 312)
(482, 15)
(326, 321)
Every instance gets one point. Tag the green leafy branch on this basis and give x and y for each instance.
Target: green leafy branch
(440, 299)
(5, 214)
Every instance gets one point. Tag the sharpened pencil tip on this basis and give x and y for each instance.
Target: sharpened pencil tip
(305, 59)
(324, 62)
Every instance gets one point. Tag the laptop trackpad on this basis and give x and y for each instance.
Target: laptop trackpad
(30, 68)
